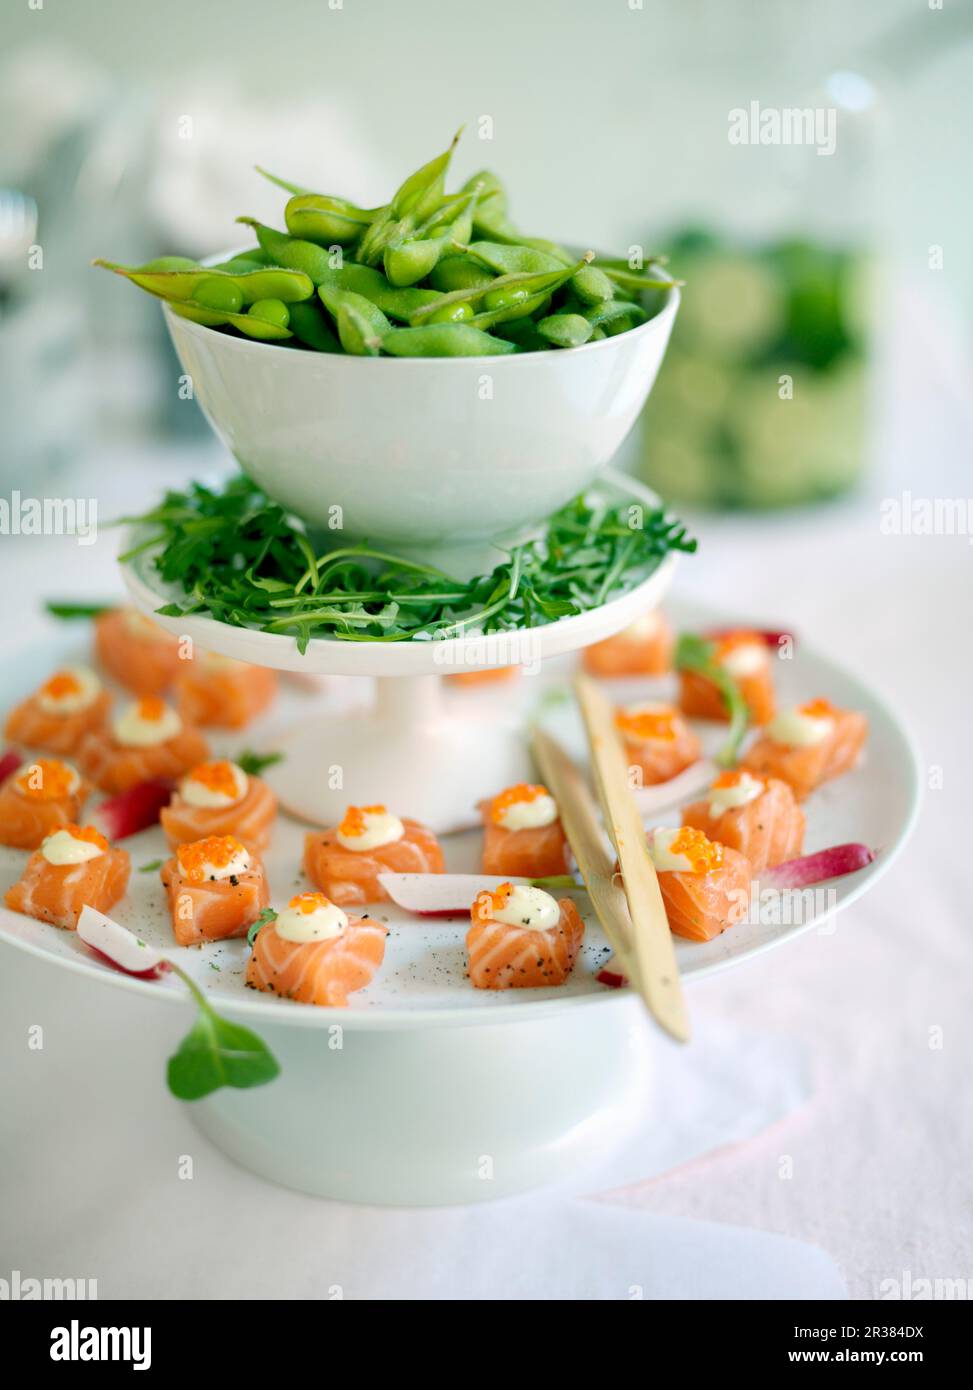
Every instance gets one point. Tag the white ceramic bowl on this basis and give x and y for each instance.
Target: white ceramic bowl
(432, 452)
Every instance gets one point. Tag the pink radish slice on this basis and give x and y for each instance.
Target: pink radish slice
(440, 895)
(611, 975)
(818, 868)
(9, 763)
(134, 810)
(678, 791)
(119, 946)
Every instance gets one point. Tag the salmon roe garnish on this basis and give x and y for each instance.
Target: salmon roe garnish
(354, 822)
(218, 777)
(151, 708)
(730, 779)
(487, 903)
(61, 684)
(514, 796)
(703, 853)
(658, 724)
(48, 779)
(306, 903)
(88, 833)
(818, 709)
(215, 851)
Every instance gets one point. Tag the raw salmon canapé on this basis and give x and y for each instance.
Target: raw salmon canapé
(219, 798)
(58, 715)
(315, 953)
(523, 835)
(705, 886)
(36, 800)
(759, 817)
(746, 658)
(217, 690)
(345, 862)
(522, 938)
(216, 888)
(658, 742)
(137, 652)
(147, 740)
(808, 745)
(642, 649)
(74, 868)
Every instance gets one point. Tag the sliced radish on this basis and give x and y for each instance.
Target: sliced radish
(119, 946)
(9, 763)
(442, 895)
(134, 810)
(611, 974)
(684, 787)
(818, 868)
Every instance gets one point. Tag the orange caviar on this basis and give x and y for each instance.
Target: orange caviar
(355, 822)
(658, 723)
(88, 833)
(306, 903)
(218, 777)
(703, 854)
(818, 709)
(514, 796)
(151, 708)
(487, 903)
(215, 852)
(48, 779)
(60, 685)
(732, 641)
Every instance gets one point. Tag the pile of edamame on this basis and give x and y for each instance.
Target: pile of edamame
(428, 274)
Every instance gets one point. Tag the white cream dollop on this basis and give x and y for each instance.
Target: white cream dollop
(529, 814)
(530, 908)
(88, 687)
(236, 865)
(196, 793)
(133, 730)
(739, 793)
(662, 856)
(748, 659)
(643, 628)
(323, 924)
(381, 828)
(798, 730)
(63, 848)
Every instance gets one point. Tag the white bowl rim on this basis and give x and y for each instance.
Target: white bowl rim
(665, 316)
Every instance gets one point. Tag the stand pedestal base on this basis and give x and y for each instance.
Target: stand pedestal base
(405, 752)
(434, 1116)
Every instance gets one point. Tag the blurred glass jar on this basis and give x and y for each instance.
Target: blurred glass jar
(762, 399)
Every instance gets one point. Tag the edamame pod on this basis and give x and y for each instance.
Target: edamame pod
(592, 285)
(265, 283)
(513, 260)
(325, 220)
(459, 273)
(615, 315)
(565, 330)
(309, 326)
(257, 328)
(415, 200)
(219, 292)
(444, 340)
(293, 253)
(409, 261)
(365, 322)
(507, 295)
(272, 311)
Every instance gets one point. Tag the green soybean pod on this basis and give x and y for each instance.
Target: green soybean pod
(275, 282)
(615, 315)
(326, 220)
(168, 263)
(408, 261)
(451, 313)
(292, 253)
(513, 260)
(592, 285)
(238, 265)
(219, 292)
(459, 273)
(565, 330)
(308, 324)
(252, 327)
(444, 340)
(272, 311)
(356, 329)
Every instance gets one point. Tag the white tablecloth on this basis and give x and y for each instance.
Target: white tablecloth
(874, 1170)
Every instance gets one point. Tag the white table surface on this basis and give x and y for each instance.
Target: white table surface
(874, 1170)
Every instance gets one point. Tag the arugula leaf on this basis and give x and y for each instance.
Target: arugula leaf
(69, 611)
(217, 1053)
(254, 763)
(151, 867)
(243, 559)
(698, 655)
(266, 917)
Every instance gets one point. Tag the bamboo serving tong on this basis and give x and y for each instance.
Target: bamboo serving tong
(629, 906)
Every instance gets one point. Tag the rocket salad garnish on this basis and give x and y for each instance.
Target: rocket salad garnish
(242, 558)
(698, 655)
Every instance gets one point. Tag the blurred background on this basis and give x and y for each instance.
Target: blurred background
(130, 131)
